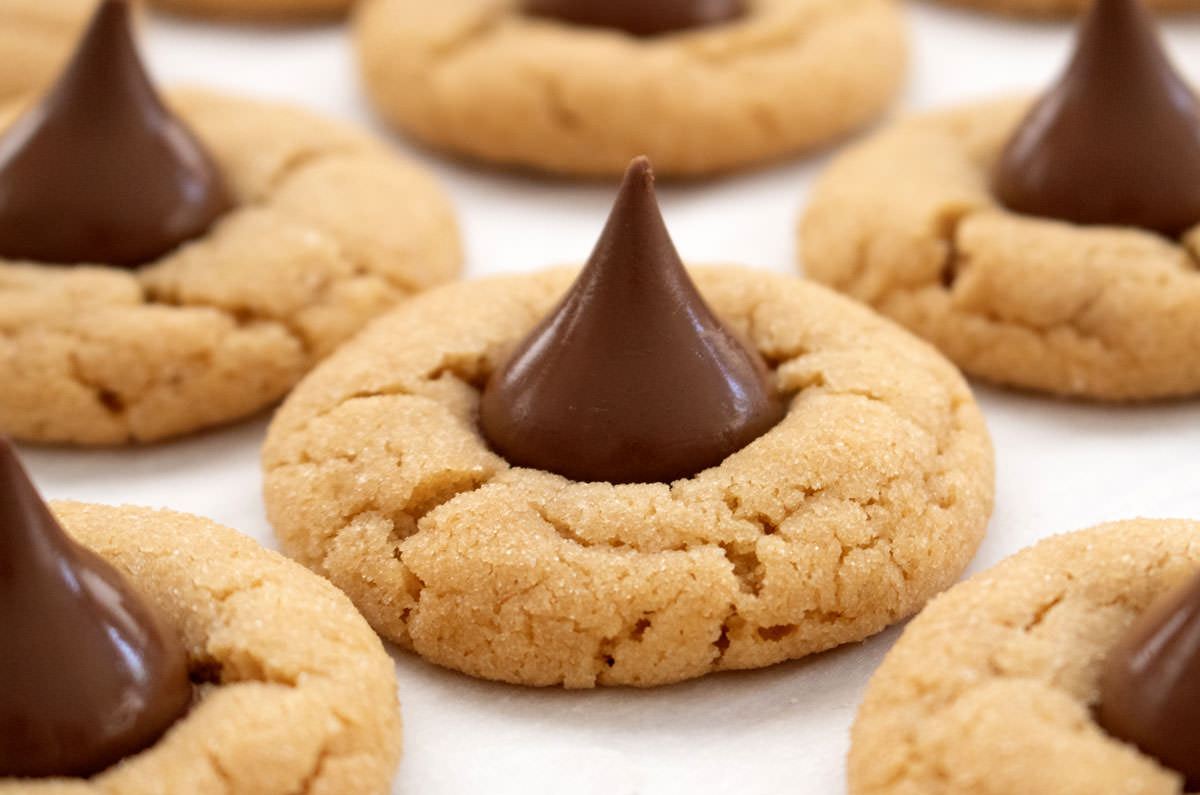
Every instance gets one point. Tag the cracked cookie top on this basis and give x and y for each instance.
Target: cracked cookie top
(867, 498)
(36, 38)
(484, 79)
(296, 694)
(990, 689)
(906, 222)
(329, 230)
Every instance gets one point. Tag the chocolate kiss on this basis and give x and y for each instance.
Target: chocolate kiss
(89, 674)
(632, 378)
(1150, 684)
(639, 17)
(100, 171)
(1117, 141)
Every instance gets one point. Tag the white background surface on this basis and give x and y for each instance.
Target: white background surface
(1061, 466)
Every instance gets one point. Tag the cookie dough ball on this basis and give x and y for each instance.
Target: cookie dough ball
(990, 690)
(295, 693)
(481, 78)
(870, 496)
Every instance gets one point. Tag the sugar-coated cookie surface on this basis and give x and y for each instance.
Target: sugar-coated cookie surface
(261, 10)
(482, 79)
(989, 690)
(331, 228)
(36, 38)
(906, 222)
(297, 695)
(870, 496)
(1063, 7)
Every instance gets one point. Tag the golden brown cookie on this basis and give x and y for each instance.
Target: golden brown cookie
(906, 222)
(480, 78)
(36, 37)
(331, 228)
(870, 496)
(262, 10)
(1061, 8)
(989, 690)
(296, 694)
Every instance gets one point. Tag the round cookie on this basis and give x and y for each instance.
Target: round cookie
(1062, 8)
(480, 78)
(296, 694)
(989, 690)
(870, 496)
(36, 38)
(330, 229)
(905, 221)
(261, 10)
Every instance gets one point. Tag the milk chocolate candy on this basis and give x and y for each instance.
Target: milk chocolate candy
(89, 673)
(1150, 684)
(100, 171)
(632, 378)
(1116, 141)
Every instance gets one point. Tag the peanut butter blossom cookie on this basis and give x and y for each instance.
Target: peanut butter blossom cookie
(158, 276)
(581, 86)
(150, 651)
(1072, 668)
(1049, 248)
(624, 476)
(35, 40)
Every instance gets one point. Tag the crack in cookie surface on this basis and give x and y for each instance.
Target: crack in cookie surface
(867, 498)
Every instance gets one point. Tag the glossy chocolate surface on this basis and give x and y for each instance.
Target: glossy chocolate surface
(89, 673)
(631, 378)
(1117, 140)
(1150, 685)
(640, 17)
(100, 171)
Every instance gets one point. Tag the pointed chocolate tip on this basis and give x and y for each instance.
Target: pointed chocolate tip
(100, 171)
(637, 184)
(1150, 683)
(1117, 140)
(632, 378)
(641, 169)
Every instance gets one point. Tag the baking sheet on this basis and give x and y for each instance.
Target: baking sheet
(1060, 465)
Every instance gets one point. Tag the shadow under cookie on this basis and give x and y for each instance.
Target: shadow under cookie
(486, 80)
(871, 495)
